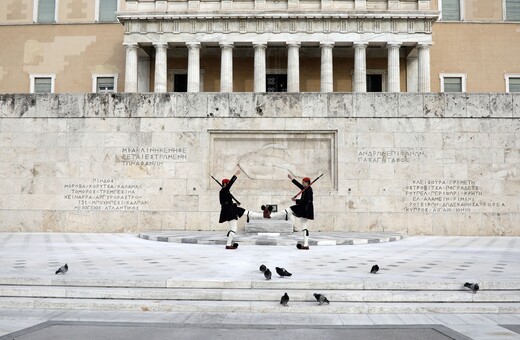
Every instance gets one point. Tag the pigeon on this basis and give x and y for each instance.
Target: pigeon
(63, 269)
(267, 274)
(284, 300)
(263, 268)
(282, 272)
(375, 269)
(473, 286)
(321, 298)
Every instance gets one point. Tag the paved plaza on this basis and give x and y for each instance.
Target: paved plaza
(28, 262)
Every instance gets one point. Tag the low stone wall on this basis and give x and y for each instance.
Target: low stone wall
(421, 164)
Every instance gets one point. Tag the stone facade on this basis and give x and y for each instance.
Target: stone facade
(422, 164)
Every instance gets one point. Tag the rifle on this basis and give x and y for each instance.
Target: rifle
(232, 197)
(317, 178)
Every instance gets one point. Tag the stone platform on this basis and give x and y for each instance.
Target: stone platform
(120, 277)
(272, 239)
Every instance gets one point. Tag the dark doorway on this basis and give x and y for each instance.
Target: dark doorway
(180, 83)
(374, 83)
(276, 83)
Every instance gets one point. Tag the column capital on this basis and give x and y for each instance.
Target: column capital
(423, 45)
(293, 44)
(327, 44)
(260, 44)
(226, 44)
(158, 45)
(360, 44)
(193, 45)
(393, 44)
(130, 45)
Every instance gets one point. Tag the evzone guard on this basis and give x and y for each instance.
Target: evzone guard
(304, 208)
(229, 209)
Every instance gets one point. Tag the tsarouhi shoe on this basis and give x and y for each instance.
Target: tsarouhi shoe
(234, 246)
(301, 247)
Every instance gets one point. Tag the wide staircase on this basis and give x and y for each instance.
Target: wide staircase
(259, 296)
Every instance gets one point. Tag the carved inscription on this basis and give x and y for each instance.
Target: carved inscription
(151, 156)
(106, 194)
(390, 155)
(446, 196)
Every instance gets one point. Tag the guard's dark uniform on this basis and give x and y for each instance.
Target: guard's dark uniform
(228, 209)
(304, 207)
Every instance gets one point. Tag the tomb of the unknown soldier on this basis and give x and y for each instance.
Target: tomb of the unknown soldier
(418, 164)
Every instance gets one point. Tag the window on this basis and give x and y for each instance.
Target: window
(512, 83)
(42, 83)
(374, 83)
(104, 83)
(178, 80)
(453, 82)
(512, 10)
(106, 10)
(451, 10)
(45, 11)
(276, 83)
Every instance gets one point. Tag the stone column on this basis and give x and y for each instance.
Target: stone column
(260, 67)
(326, 67)
(394, 80)
(193, 66)
(424, 67)
(360, 68)
(131, 67)
(293, 67)
(160, 67)
(226, 67)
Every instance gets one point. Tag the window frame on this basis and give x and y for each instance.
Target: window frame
(461, 11)
(96, 11)
(32, 78)
(463, 77)
(507, 76)
(36, 4)
(95, 77)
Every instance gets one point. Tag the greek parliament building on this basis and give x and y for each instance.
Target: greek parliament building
(75, 46)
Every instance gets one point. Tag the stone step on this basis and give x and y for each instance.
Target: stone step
(258, 306)
(197, 294)
(376, 282)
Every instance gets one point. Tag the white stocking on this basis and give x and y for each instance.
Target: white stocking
(231, 232)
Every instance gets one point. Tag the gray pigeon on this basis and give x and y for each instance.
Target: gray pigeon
(263, 268)
(321, 298)
(267, 274)
(284, 300)
(63, 269)
(473, 286)
(375, 269)
(282, 272)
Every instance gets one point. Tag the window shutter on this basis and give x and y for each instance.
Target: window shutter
(107, 10)
(513, 10)
(105, 84)
(450, 9)
(514, 84)
(46, 10)
(42, 85)
(452, 84)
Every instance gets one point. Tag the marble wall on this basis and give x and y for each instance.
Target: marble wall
(422, 164)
